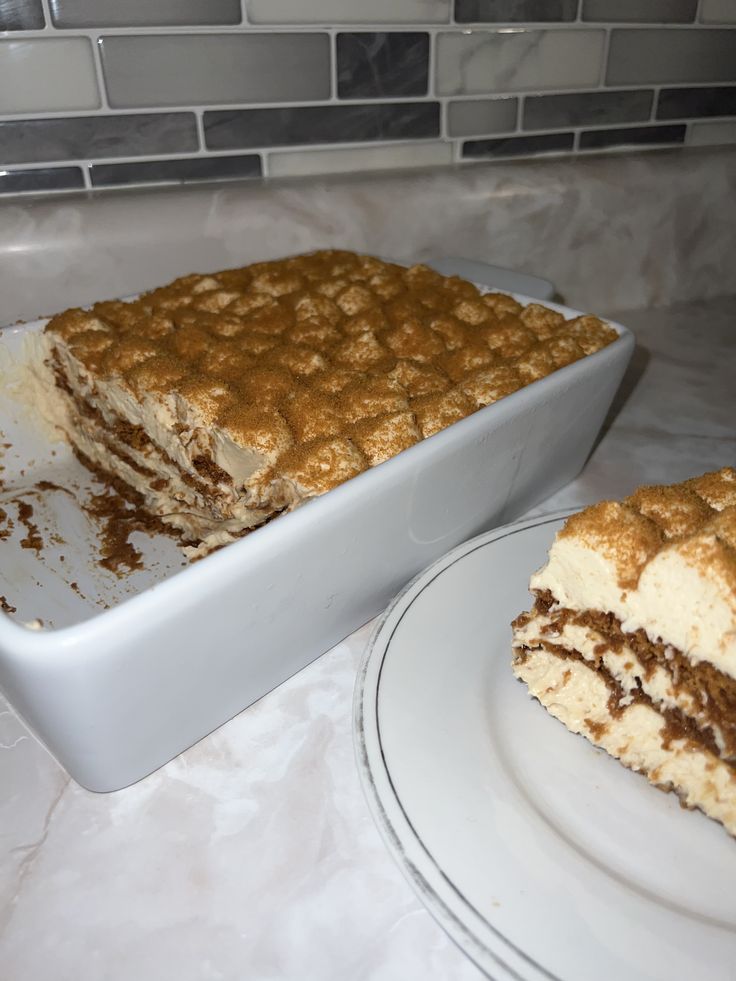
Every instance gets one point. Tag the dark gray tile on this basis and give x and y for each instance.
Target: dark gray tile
(599, 139)
(641, 11)
(87, 137)
(511, 11)
(587, 109)
(517, 146)
(685, 103)
(176, 171)
(21, 15)
(639, 57)
(233, 128)
(143, 13)
(478, 117)
(376, 65)
(46, 179)
(201, 69)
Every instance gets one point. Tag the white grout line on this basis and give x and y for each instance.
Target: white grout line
(333, 66)
(202, 145)
(97, 57)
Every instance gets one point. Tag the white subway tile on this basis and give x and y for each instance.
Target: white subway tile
(301, 163)
(47, 75)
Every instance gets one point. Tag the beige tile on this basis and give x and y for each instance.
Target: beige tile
(718, 11)
(712, 134)
(512, 60)
(200, 69)
(348, 11)
(300, 163)
(47, 75)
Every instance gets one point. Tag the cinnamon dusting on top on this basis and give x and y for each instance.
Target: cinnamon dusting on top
(696, 517)
(283, 355)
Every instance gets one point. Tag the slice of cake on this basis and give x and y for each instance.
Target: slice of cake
(225, 399)
(632, 638)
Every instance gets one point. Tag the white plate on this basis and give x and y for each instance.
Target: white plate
(541, 856)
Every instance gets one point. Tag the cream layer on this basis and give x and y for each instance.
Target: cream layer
(578, 696)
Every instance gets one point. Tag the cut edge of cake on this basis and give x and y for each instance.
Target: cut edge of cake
(631, 641)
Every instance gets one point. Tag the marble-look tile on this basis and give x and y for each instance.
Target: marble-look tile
(506, 61)
(176, 171)
(712, 134)
(47, 75)
(88, 137)
(477, 117)
(308, 162)
(333, 12)
(143, 13)
(649, 55)
(586, 109)
(147, 70)
(640, 11)
(683, 103)
(599, 139)
(718, 11)
(21, 15)
(379, 65)
(230, 129)
(43, 179)
(514, 11)
(518, 146)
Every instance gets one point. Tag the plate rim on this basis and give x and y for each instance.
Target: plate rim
(365, 726)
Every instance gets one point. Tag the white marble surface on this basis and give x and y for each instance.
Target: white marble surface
(624, 232)
(253, 855)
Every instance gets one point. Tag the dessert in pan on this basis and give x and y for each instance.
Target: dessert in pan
(223, 400)
(632, 637)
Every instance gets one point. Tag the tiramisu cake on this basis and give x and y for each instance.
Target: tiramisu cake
(632, 638)
(225, 399)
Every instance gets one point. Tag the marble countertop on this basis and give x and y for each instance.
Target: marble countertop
(253, 854)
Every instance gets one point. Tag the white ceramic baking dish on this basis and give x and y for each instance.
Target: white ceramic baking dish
(116, 692)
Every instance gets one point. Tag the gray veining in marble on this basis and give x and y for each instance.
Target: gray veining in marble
(506, 61)
(253, 854)
(609, 232)
(147, 70)
(90, 137)
(587, 109)
(379, 65)
(21, 15)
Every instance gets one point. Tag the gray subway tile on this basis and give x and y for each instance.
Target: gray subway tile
(143, 13)
(301, 163)
(176, 171)
(508, 61)
(376, 65)
(47, 75)
(477, 117)
(196, 69)
(599, 139)
(587, 109)
(712, 134)
(682, 103)
(87, 137)
(334, 12)
(649, 55)
(640, 11)
(518, 146)
(21, 15)
(718, 11)
(45, 179)
(511, 11)
(229, 129)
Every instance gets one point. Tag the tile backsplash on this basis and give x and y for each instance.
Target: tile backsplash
(101, 93)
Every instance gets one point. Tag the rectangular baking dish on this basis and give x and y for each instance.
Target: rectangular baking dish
(119, 676)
